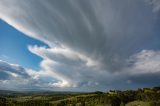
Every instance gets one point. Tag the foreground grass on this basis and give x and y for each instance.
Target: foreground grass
(82, 100)
(138, 103)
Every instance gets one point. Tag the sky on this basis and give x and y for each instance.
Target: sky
(79, 45)
(13, 47)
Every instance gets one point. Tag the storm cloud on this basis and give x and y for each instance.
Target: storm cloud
(92, 44)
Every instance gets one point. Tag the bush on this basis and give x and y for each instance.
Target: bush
(115, 101)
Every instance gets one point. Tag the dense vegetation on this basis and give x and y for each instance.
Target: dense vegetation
(140, 97)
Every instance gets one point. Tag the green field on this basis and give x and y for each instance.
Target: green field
(140, 97)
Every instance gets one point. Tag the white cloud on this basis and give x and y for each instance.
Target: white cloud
(54, 58)
(12, 76)
(59, 84)
(62, 53)
(146, 61)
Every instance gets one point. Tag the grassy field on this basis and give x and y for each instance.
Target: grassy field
(138, 103)
(140, 97)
